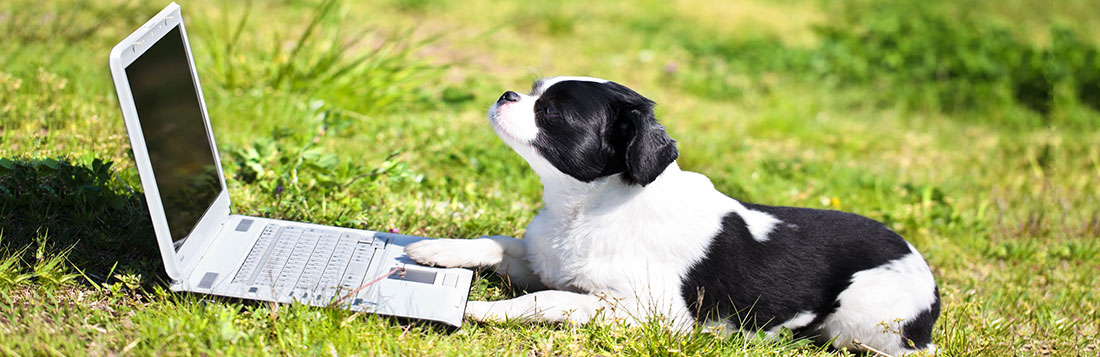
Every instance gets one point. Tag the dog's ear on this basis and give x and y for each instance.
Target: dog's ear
(649, 149)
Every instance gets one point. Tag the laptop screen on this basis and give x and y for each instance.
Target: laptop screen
(171, 119)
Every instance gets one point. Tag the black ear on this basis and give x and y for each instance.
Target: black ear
(649, 150)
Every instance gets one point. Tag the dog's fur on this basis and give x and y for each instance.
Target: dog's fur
(626, 234)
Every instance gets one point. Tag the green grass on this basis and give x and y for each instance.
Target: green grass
(372, 115)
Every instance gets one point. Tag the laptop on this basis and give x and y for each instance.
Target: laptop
(207, 250)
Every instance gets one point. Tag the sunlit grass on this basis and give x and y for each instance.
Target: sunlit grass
(379, 115)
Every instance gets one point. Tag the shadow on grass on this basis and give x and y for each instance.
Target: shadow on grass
(84, 206)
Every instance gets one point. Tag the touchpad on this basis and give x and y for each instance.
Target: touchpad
(415, 275)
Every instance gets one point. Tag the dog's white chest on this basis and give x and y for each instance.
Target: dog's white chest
(577, 257)
(626, 239)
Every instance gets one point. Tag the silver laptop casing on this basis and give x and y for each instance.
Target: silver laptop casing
(215, 249)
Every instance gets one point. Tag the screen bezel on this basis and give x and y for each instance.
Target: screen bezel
(177, 263)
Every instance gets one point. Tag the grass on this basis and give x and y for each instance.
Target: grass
(372, 115)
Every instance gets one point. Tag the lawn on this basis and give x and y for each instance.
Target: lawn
(972, 128)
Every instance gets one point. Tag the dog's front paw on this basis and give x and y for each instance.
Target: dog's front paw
(501, 311)
(455, 253)
(483, 311)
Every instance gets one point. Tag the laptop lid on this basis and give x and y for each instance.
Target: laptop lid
(174, 149)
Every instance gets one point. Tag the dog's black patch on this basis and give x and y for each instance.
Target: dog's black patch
(919, 329)
(589, 130)
(806, 262)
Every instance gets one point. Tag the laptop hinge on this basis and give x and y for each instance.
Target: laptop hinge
(207, 244)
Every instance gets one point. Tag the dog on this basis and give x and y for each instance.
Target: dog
(626, 234)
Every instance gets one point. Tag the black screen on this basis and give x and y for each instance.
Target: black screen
(175, 133)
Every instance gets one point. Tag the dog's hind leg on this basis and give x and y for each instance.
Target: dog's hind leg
(507, 256)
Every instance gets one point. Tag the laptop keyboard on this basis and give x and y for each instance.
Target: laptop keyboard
(313, 262)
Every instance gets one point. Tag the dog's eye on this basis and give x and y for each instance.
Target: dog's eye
(549, 111)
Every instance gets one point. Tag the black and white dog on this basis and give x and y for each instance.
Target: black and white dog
(626, 234)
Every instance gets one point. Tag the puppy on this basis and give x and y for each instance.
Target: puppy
(626, 234)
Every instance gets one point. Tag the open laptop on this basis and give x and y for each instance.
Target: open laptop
(208, 250)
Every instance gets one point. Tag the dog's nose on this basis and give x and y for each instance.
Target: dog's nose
(508, 96)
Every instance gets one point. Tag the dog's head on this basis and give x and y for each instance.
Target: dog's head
(584, 128)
